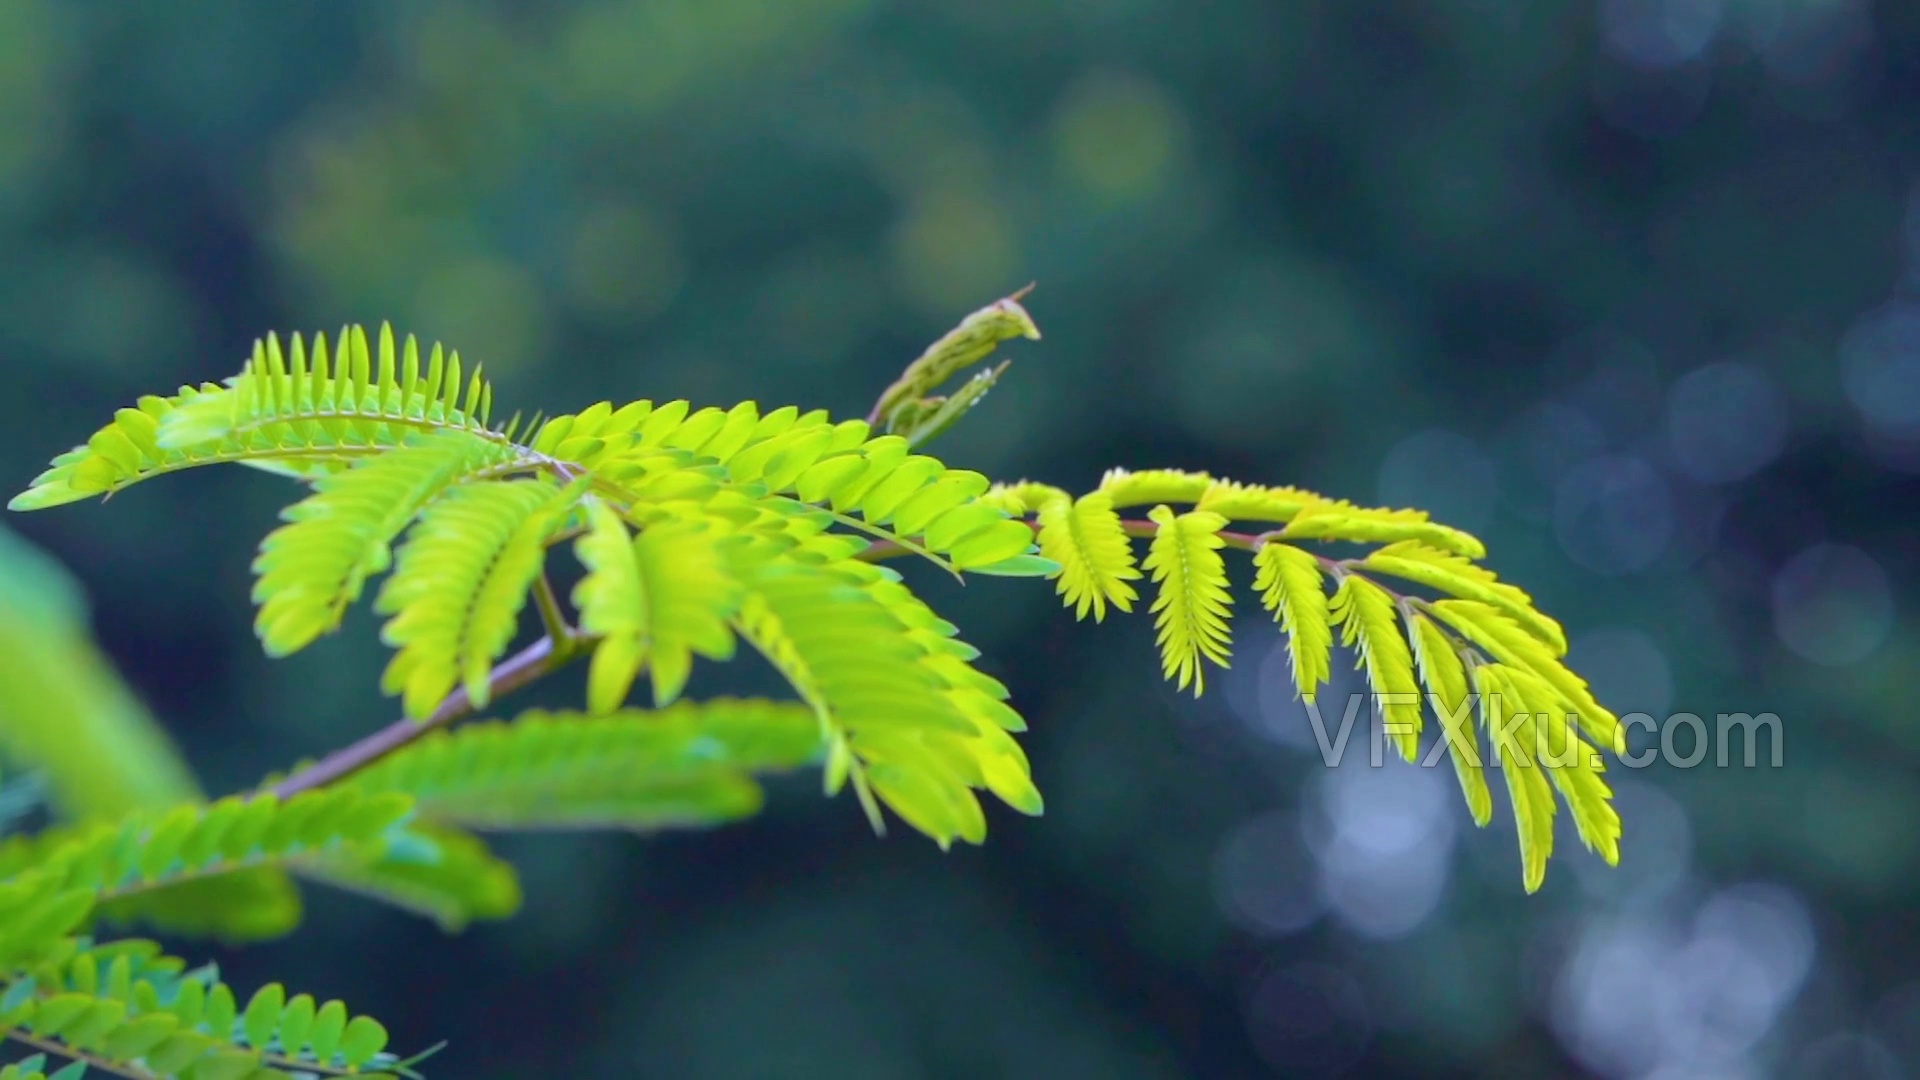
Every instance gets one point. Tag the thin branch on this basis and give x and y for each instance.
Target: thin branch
(49, 1046)
(552, 619)
(535, 662)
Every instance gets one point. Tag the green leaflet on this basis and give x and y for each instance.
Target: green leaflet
(314, 567)
(292, 414)
(686, 765)
(1573, 766)
(1290, 586)
(784, 453)
(1446, 682)
(435, 871)
(1458, 576)
(65, 712)
(1096, 558)
(886, 676)
(1365, 614)
(1193, 605)
(1487, 627)
(1510, 730)
(131, 867)
(463, 578)
(655, 599)
(352, 400)
(126, 1000)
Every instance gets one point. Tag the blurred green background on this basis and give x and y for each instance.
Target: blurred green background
(1629, 287)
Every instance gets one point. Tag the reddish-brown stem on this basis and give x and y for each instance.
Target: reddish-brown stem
(530, 664)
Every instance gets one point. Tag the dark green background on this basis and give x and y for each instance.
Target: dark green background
(1471, 255)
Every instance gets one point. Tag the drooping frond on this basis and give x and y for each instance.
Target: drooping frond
(1404, 640)
(462, 580)
(65, 714)
(127, 1004)
(1290, 584)
(1489, 628)
(687, 765)
(908, 717)
(1366, 617)
(1446, 682)
(1510, 730)
(1456, 575)
(1574, 767)
(1096, 559)
(1193, 604)
(655, 599)
(314, 567)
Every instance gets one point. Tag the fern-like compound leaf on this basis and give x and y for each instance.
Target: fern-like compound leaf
(656, 599)
(314, 567)
(1574, 767)
(1337, 519)
(1193, 605)
(305, 413)
(1085, 537)
(462, 580)
(1365, 614)
(1446, 681)
(1491, 629)
(355, 399)
(200, 869)
(1455, 575)
(128, 1005)
(433, 870)
(1290, 584)
(1510, 729)
(836, 466)
(687, 765)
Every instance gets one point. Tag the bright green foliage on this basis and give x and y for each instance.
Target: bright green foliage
(462, 580)
(304, 413)
(691, 764)
(128, 1005)
(313, 568)
(1365, 614)
(699, 529)
(1194, 605)
(65, 713)
(1289, 584)
(654, 599)
(132, 866)
(435, 871)
(1404, 643)
(1085, 537)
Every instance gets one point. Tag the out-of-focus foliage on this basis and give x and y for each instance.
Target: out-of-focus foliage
(1624, 285)
(65, 715)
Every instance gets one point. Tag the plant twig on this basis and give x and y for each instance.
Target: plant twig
(535, 662)
(50, 1046)
(552, 619)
